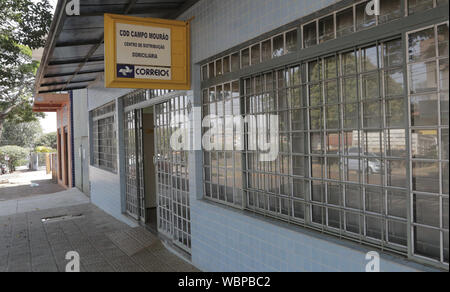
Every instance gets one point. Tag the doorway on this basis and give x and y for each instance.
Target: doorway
(157, 181)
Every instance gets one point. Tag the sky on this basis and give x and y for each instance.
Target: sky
(48, 123)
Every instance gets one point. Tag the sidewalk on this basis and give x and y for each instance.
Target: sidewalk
(36, 233)
(24, 183)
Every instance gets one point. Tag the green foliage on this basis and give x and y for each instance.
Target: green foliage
(47, 140)
(24, 26)
(43, 149)
(16, 154)
(23, 134)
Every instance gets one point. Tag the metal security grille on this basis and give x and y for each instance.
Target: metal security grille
(428, 69)
(343, 147)
(104, 138)
(174, 218)
(134, 170)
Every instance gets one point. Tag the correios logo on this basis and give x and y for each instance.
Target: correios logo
(73, 8)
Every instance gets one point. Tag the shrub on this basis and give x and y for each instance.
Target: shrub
(43, 149)
(16, 154)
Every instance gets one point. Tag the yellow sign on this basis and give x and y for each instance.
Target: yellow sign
(146, 53)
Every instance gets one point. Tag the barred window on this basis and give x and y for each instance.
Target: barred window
(428, 88)
(104, 138)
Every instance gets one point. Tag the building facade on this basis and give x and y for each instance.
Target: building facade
(362, 115)
(61, 105)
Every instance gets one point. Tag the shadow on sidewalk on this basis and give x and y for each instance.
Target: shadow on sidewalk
(23, 184)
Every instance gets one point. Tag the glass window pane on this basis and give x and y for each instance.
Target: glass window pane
(299, 210)
(423, 110)
(331, 92)
(334, 168)
(235, 62)
(396, 173)
(394, 82)
(353, 197)
(363, 20)
(226, 65)
(443, 39)
(291, 41)
(397, 203)
(393, 53)
(353, 222)
(370, 86)
(326, 29)
(445, 213)
(374, 227)
(333, 141)
(444, 108)
(425, 176)
(310, 35)
(415, 6)
(369, 59)
(372, 114)
(299, 120)
(390, 10)
(335, 194)
(205, 72)
(301, 188)
(256, 54)
(219, 67)
(425, 144)
(422, 45)
(316, 119)
(444, 144)
(351, 118)
(374, 200)
(443, 74)
(445, 177)
(334, 218)
(333, 117)
(425, 210)
(278, 46)
(344, 22)
(212, 70)
(423, 77)
(350, 90)
(349, 63)
(441, 2)
(396, 143)
(397, 232)
(245, 58)
(427, 242)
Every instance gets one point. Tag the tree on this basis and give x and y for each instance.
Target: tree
(47, 140)
(23, 134)
(16, 156)
(23, 28)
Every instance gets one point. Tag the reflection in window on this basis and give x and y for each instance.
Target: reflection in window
(326, 29)
(344, 22)
(256, 54)
(291, 41)
(278, 46)
(415, 6)
(390, 10)
(310, 35)
(363, 20)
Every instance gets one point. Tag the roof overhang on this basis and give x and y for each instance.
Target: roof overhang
(73, 56)
(50, 102)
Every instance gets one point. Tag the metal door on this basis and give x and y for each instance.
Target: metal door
(134, 169)
(174, 218)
